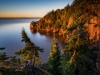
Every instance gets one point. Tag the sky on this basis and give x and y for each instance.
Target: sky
(30, 8)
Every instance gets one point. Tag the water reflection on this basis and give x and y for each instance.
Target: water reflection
(49, 35)
(44, 40)
(10, 37)
(33, 31)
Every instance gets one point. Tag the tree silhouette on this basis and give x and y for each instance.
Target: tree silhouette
(30, 50)
(79, 56)
(3, 55)
(54, 59)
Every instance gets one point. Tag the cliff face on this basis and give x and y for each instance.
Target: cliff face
(93, 27)
(61, 19)
(32, 25)
(58, 21)
(94, 30)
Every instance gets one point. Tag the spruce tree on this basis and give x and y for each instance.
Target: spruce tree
(79, 55)
(2, 48)
(54, 59)
(3, 55)
(30, 50)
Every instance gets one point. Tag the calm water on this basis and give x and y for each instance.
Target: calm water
(10, 36)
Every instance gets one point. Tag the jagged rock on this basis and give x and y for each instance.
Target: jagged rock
(33, 24)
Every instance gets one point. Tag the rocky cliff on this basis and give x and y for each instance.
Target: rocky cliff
(58, 21)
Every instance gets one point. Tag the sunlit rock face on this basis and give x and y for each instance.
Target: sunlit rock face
(94, 30)
(93, 27)
(33, 25)
(88, 9)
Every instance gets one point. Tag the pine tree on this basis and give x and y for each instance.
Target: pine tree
(54, 59)
(14, 60)
(2, 48)
(30, 50)
(79, 55)
(3, 55)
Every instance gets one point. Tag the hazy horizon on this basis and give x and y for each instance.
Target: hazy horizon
(20, 17)
(29, 8)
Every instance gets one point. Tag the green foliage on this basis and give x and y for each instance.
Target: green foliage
(3, 55)
(54, 59)
(2, 48)
(30, 50)
(57, 18)
(4, 59)
(6, 71)
(79, 54)
(61, 18)
(14, 60)
(72, 27)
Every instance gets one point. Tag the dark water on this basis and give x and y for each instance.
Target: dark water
(10, 36)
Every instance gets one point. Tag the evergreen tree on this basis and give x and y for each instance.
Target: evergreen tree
(2, 48)
(14, 60)
(30, 50)
(54, 59)
(3, 55)
(79, 55)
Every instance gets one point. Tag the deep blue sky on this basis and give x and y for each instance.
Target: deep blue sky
(30, 8)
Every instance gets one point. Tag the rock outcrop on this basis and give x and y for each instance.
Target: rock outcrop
(58, 21)
(33, 24)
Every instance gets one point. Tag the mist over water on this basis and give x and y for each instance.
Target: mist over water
(10, 36)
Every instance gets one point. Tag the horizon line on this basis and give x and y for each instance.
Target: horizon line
(20, 17)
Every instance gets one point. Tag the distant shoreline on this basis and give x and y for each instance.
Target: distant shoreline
(20, 17)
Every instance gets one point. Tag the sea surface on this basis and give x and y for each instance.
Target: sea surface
(10, 36)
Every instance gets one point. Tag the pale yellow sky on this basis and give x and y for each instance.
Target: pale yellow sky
(21, 15)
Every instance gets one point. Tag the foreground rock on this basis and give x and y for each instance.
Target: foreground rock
(27, 70)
